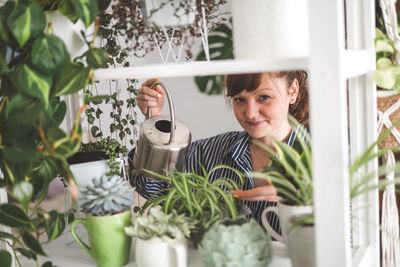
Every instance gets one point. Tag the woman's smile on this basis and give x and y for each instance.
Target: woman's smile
(255, 123)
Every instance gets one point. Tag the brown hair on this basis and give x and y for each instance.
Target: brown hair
(236, 83)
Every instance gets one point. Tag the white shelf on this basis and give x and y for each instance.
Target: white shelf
(201, 68)
(63, 253)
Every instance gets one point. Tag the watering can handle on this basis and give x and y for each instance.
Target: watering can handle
(171, 111)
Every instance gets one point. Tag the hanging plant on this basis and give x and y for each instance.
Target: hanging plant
(123, 117)
(142, 38)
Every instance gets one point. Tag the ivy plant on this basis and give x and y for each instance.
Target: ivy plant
(123, 127)
(35, 71)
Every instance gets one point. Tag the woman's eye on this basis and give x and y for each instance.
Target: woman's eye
(264, 97)
(238, 100)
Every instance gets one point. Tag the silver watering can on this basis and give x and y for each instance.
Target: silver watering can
(163, 143)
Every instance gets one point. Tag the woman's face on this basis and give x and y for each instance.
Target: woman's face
(263, 112)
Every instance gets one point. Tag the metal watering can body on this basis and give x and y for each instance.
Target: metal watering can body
(163, 143)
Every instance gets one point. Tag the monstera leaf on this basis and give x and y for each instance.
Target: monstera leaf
(220, 47)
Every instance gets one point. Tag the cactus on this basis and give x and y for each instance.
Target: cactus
(236, 242)
(108, 195)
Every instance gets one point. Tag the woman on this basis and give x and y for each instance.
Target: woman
(261, 103)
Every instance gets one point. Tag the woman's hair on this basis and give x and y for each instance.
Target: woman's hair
(236, 83)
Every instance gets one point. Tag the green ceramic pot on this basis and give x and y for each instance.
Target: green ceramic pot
(109, 245)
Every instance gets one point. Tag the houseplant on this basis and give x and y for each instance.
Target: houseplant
(141, 38)
(290, 172)
(159, 231)
(236, 242)
(94, 159)
(220, 47)
(387, 73)
(199, 199)
(107, 206)
(36, 70)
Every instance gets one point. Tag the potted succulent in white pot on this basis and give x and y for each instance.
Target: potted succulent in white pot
(236, 242)
(107, 206)
(160, 233)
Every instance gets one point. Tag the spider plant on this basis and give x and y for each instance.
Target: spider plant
(290, 170)
(194, 195)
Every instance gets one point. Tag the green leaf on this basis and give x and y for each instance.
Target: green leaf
(86, 10)
(386, 78)
(49, 54)
(5, 258)
(71, 79)
(5, 11)
(48, 264)
(23, 192)
(384, 63)
(20, 152)
(383, 46)
(32, 243)
(3, 65)
(12, 215)
(5, 235)
(26, 22)
(96, 57)
(211, 85)
(221, 47)
(55, 114)
(27, 253)
(23, 110)
(32, 83)
(55, 225)
(67, 10)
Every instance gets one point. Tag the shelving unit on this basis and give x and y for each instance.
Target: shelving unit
(343, 119)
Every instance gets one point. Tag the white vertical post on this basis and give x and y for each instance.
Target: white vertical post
(328, 106)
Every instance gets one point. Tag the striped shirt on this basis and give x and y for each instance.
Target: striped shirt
(232, 149)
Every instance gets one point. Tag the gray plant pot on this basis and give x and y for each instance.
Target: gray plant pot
(301, 241)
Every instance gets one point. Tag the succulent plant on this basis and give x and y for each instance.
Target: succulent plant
(236, 242)
(159, 224)
(108, 195)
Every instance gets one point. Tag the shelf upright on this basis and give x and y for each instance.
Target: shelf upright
(343, 124)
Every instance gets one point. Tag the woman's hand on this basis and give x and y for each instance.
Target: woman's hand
(261, 193)
(151, 98)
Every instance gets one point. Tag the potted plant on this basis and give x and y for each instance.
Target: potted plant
(387, 73)
(97, 158)
(129, 18)
(160, 232)
(236, 242)
(36, 70)
(290, 172)
(195, 196)
(107, 206)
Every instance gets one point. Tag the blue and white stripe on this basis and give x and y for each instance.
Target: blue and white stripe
(232, 149)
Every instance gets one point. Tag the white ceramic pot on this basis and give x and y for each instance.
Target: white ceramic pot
(284, 212)
(158, 252)
(270, 28)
